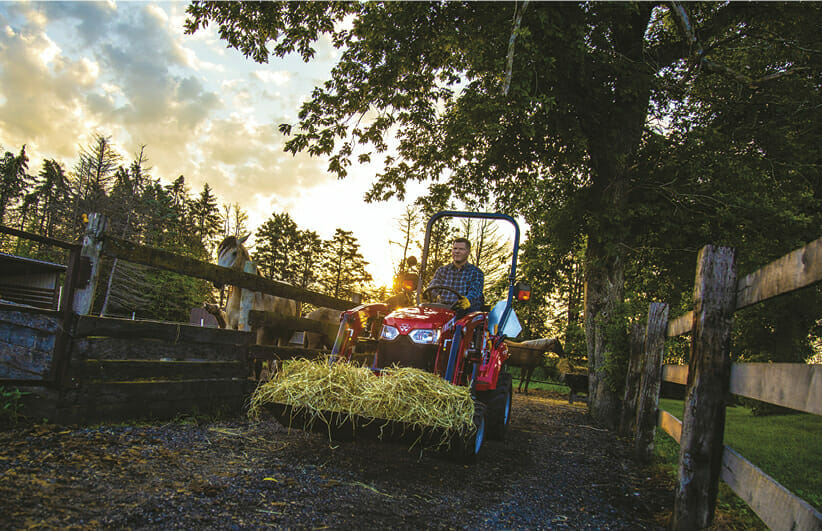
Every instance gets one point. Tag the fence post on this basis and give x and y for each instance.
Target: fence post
(90, 261)
(627, 423)
(703, 423)
(246, 299)
(647, 409)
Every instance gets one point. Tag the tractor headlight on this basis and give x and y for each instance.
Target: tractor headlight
(389, 332)
(424, 336)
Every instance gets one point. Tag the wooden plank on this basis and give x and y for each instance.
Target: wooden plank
(121, 401)
(681, 325)
(131, 370)
(260, 318)
(700, 457)
(272, 352)
(778, 508)
(798, 269)
(675, 373)
(37, 238)
(633, 378)
(150, 256)
(670, 425)
(648, 403)
(22, 363)
(107, 348)
(92, 249)
(36, 319)
(89, 325)
(793, 385)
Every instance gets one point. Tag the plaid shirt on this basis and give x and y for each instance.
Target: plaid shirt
(468, 281)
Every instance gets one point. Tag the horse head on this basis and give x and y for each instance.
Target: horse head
(232, 253)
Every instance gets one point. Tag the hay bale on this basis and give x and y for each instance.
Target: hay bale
(403, 394)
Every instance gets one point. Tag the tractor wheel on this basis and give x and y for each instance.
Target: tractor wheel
(498, 402)
(466, 449)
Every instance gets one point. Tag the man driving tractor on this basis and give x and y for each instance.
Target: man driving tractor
(466, 279)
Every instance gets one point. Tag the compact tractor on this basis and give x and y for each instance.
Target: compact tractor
(466, 349)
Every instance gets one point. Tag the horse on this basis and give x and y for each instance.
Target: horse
(329, 317)
(528, 355)
(231, 253)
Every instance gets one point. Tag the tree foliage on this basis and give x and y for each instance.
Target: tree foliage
(643, 130)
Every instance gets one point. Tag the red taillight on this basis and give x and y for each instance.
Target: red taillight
(523, 291)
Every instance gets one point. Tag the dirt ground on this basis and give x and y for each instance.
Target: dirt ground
(555, 470)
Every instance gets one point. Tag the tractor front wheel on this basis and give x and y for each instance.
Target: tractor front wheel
(498, 403)
(466, 448)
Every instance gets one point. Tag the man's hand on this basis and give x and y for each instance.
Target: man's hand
(462, 304)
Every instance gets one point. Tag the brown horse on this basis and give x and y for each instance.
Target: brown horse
(329, 317)
(528, 355)
(232, 254)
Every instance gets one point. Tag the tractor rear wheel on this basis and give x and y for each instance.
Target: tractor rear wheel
(498, 403)
(466, 448)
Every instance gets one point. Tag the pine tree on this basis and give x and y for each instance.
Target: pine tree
(205, 217)
(276, 246)
(14, 181)
(343, 271)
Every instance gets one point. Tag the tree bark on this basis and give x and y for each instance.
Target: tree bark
(604, 287)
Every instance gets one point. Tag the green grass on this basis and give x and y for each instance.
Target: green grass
(786, 447)
(559, 388)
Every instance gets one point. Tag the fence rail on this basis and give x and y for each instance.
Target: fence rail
(710, 376)
(100, 368)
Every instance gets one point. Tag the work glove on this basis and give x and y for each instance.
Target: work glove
(462, 304)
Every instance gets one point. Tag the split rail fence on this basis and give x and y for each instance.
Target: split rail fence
(710, 377)
(79, 368)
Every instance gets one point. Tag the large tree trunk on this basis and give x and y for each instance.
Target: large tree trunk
(604, 289)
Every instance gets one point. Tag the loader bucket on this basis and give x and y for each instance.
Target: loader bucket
(346, 403)
(344, 427)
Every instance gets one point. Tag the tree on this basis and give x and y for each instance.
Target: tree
(205, 217)
(343, 269)
(308, 259)
(550, 117)
(14, 180)
(94, 174)
(276, 246)
(52, 191)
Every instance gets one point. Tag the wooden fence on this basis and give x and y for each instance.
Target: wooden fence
(710, 377)
(80, 368)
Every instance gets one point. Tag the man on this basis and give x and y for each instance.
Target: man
(459, 275)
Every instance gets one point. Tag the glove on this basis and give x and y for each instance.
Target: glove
(462, 304)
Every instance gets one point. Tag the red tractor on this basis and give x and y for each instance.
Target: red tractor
(464, 349)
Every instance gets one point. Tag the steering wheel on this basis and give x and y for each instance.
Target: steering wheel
(425, 293)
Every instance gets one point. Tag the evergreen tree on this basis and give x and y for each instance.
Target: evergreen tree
(94, 175)
(205, 217)
(52, 191)
(14, 181)
(308, 259)
(343, 269)
(276, 246)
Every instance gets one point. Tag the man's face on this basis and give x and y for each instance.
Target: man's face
(459, 252)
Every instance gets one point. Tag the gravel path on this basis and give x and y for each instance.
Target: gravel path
(556, 470)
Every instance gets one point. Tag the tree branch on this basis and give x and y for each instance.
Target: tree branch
(509, 69)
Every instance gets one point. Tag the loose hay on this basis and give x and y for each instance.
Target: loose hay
(408, 395)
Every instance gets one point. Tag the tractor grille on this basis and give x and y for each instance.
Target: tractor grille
(405, 353)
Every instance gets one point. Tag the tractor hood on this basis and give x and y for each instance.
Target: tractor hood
(418, 318)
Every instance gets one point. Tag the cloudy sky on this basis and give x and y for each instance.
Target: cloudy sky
(70, 70)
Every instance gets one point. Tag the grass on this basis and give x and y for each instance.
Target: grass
(786, 447)
(559, 388)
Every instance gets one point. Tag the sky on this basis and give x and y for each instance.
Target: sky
(71, 70)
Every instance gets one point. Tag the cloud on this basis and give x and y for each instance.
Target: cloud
(278, 77)
(128, 78)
